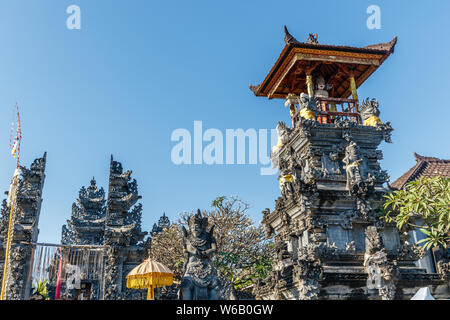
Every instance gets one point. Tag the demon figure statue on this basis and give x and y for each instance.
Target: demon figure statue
(200, 280)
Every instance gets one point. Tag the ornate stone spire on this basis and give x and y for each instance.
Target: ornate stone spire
(87, 222)
(123, 217)
(163, 222)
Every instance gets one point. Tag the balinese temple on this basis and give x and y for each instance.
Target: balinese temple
(101, 242)
(330, 242)
(114, 225)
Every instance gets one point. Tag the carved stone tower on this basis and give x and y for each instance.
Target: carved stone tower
(26, 200)
(123, 238)
(330, 242)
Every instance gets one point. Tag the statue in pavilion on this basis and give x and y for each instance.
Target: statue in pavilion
(200, 280)
(322, 88)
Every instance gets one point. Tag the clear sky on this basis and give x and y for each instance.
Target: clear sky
(138, 70)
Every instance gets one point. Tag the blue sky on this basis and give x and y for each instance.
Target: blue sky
(137, 70)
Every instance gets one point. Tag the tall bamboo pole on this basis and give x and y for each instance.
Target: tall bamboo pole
(8, 242)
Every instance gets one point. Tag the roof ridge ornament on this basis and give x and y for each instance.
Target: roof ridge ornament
(288, 38)
(428, 159)
(418, 156)
(312, 38)
(390, 46)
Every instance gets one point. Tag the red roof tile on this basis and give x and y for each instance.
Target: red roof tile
(425, 167)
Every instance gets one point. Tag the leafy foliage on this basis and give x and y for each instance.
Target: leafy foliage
(167, 248)
(40, 287)
(423, 204)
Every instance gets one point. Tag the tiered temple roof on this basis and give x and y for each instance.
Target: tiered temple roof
(334, 63)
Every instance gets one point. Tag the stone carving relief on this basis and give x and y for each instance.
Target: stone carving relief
(408, 250)
(352, 167)
(381, 272)
(370, 112)
(267, 227)
(308, 107)
(112, 289)
(28, 198)
(350, 247)
(330, 163)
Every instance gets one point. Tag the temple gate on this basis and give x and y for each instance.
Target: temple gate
(100, 244)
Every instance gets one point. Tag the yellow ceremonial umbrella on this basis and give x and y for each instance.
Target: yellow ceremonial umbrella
(149, 274)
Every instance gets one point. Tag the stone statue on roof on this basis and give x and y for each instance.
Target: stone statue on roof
(308, 106)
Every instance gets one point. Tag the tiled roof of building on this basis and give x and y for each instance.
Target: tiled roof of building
(425, 167)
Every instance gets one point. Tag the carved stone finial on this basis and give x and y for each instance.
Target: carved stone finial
(370, 112)
(312, 38)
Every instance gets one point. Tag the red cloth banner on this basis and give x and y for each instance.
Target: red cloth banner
(58, 279)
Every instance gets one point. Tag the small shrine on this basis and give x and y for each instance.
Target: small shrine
(332, 74)
(330, 242)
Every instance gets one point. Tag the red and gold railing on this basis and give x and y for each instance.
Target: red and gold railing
(332, 109)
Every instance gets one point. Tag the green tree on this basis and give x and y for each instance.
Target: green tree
(243, 252)
(167, 248)
(40, 287)
(424, 205)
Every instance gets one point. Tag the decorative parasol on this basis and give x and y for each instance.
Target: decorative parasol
(149, 274)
